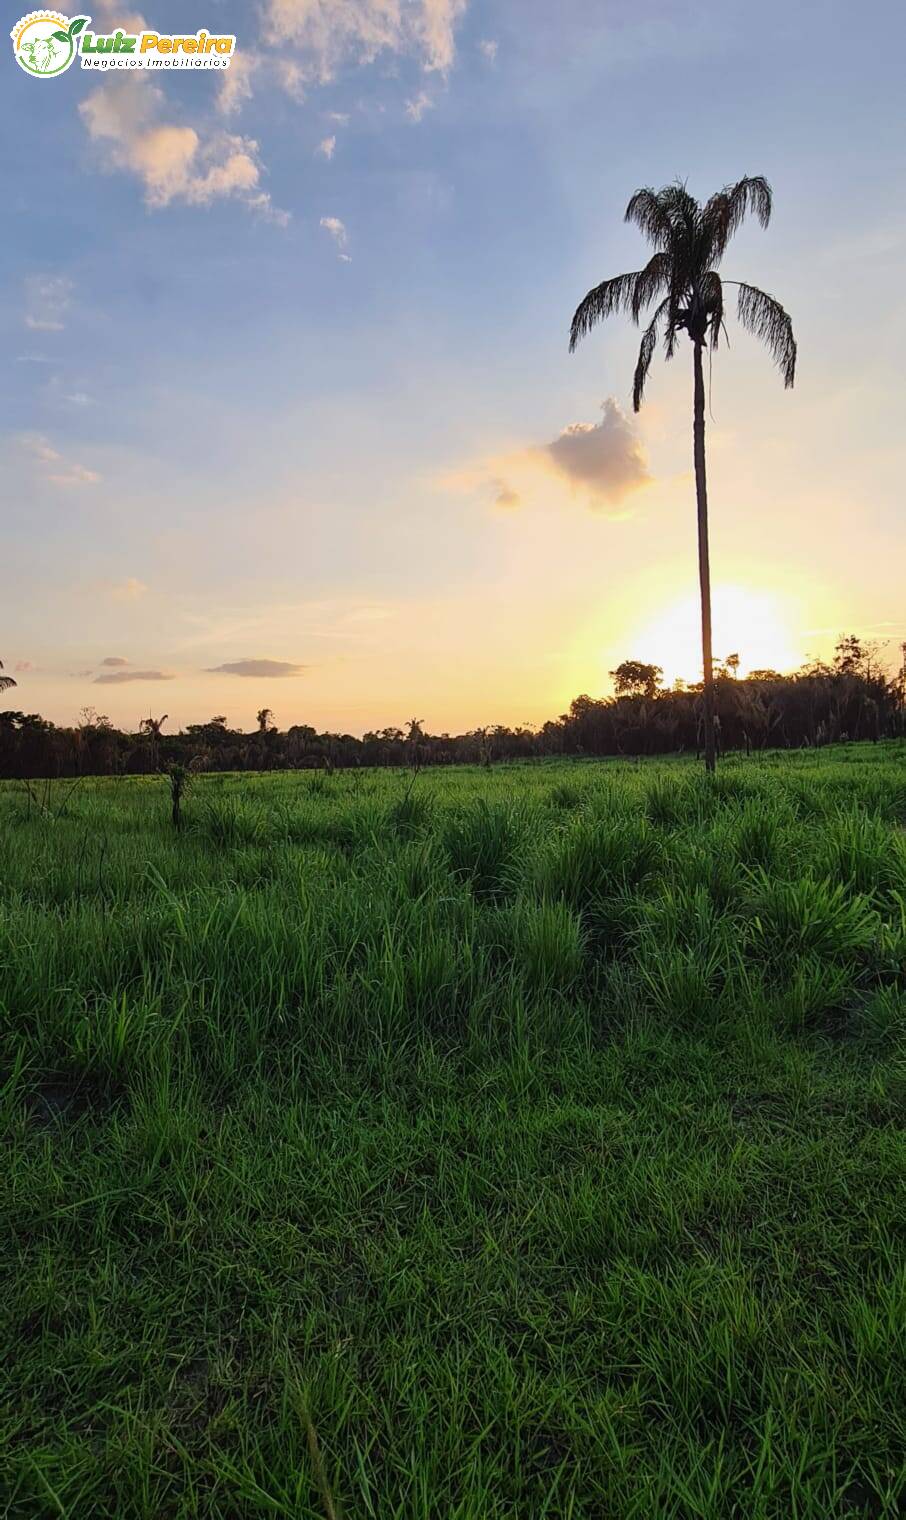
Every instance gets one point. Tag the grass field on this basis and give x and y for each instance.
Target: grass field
(523, 1143)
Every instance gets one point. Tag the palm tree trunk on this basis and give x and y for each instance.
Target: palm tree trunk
(704, 563)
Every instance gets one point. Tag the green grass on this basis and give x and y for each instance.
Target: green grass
(523, 1143)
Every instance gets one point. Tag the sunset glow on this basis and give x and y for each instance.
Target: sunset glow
(289, 413)
(757, 625)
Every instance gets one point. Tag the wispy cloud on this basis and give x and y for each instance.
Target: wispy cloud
(119, 677)
(128, 590)
(55, 468)
(47, 301)
(236, 86)
(115, 660)
(173, 162)
(337, 230)
(488, 49)
(505, 496)
(416, 108)
(329, 33)
(259, 668)
(327, 147)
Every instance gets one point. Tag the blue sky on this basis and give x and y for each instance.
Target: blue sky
(286, 352)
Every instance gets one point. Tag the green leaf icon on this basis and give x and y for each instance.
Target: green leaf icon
(60, 36)
(77, 25)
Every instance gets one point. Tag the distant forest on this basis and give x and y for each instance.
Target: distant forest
(849, 699)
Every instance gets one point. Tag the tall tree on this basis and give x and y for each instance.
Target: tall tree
(689, 242)
(150, 728)
(5, 681)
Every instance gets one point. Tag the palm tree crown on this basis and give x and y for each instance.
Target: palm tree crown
(689, 242)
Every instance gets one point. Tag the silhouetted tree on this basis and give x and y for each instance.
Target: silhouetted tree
(689, 242)
(635, 678)
(150, 729)
(5, 681)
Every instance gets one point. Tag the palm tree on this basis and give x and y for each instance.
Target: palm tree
(5, 681)
(689, 243)
(151, 728)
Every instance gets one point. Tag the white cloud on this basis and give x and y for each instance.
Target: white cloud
(329, 33)
(416, 108)
(600, 463)
(326, 147)
(337, 230)
(174, 163)
(488, 48)
(292, 78)
(47, 300)
(340, 117)
(604, 459)
(236, 85)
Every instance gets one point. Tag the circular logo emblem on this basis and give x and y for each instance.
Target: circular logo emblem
(44, 42)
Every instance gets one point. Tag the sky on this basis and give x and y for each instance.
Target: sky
(289, 417)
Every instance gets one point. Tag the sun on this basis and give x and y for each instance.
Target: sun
(757, 625)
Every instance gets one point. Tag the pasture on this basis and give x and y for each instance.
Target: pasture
(509, 1144)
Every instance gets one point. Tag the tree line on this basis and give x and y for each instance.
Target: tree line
(850, 698)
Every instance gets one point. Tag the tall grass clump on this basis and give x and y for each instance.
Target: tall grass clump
(863, 852)
(809, 916)
(548, 943)
(484, 843)
(596, 858)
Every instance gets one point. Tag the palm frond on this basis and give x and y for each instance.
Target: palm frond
(646, 352)
(681, 209)
(712, 294)
(766, 319)
(654, 278)
(727, 210)
(605, 299)
(646, 211)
